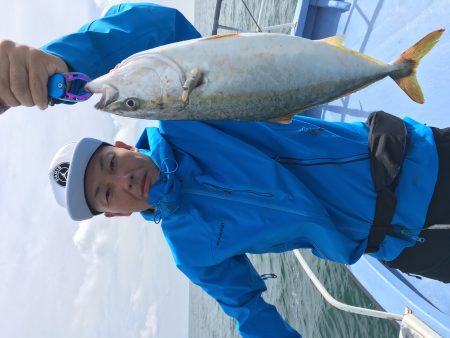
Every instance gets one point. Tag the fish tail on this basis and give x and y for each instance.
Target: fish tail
(407, 63)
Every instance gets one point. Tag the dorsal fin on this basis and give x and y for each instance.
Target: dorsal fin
(336, 41)
(220, 36)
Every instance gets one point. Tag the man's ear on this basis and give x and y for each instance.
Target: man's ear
(120, 144)
(115, 214)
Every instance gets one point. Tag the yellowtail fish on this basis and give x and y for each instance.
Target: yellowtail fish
(248, 77)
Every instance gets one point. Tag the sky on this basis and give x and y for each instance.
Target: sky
(58, 278)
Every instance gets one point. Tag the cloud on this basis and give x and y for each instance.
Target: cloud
(96, 241)
(130, 286)
(151, 323)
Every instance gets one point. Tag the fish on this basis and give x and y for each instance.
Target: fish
(248, 77)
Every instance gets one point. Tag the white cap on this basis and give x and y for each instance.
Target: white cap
(66, 174)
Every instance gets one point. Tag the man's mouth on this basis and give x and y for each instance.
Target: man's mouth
(145, 184)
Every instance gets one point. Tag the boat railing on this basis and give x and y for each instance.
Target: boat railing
(410, 323)
(217, 25)
(301, 25)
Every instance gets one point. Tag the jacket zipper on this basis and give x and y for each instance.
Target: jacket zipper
(322, 160)
(230, 191)
(227, 195)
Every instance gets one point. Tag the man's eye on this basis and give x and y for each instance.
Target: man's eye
(112, 164)
(107, 195)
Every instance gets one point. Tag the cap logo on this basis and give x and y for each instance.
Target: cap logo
(60, 173)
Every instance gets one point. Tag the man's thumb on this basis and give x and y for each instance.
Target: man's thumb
(56, 65)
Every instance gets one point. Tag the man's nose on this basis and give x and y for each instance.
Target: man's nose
(125, 181)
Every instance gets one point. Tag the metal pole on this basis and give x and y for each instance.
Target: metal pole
(275, 27)
(260, 11)
(414, 323)
(248, 10)
(216, 17)
(339, 305)
(228, 28)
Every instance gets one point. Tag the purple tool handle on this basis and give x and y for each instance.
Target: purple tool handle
(77, 76)
(73, 97)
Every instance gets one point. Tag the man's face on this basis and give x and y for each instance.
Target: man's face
(118, 180)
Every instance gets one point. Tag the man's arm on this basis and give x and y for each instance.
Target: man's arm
(95, 49)
(124, 30)
(237, 287)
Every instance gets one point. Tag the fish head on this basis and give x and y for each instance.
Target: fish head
(134, 88)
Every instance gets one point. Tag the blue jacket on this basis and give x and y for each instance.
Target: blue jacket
(227, 188)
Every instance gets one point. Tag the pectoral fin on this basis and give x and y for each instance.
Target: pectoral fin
(193, 80)
(286, 119)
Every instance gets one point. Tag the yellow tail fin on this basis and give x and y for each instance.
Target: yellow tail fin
(408, 62)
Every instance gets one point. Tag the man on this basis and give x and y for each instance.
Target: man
(225, 189)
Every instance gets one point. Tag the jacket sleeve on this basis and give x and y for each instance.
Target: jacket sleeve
(124, 30)
(237, 287)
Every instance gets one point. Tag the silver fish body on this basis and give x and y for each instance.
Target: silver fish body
(246, 77)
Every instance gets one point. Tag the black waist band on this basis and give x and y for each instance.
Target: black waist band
(388, 140)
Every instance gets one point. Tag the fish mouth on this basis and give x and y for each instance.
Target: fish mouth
(109, 94)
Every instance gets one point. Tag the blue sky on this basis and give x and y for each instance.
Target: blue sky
(101, 278)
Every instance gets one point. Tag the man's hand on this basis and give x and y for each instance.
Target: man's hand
(24, 72)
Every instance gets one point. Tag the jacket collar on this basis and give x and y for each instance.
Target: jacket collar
(165, 193)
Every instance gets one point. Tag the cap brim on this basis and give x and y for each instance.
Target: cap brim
(75, 195)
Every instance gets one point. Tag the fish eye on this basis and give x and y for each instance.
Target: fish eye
(130, 103)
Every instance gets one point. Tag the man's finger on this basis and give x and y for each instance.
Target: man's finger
(55, 64)
(18, 77)
(6, 96)
(38, 85)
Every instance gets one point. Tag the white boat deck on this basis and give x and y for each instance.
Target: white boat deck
(383, 30)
